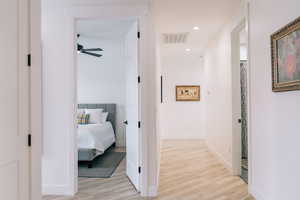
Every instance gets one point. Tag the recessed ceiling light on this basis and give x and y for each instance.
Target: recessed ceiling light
(196, 28)
(188, 49)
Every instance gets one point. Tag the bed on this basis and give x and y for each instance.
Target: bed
(95, 139)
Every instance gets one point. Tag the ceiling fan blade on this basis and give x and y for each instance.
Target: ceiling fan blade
(79, 47)
(91, 54)
(93, 49)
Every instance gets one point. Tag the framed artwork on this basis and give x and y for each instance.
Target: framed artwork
(285, 47)
(188, 93)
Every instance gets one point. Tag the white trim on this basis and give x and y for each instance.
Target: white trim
(73, 151)
(236, 100)
(97, 12)
(153, 191)
(57, 189)
(23, 101)
(140, 85)
(250, 159)
(143, 154)
(254, 192)
(36, 95)
(149, 156)
(236, 138)
(36, 99)
(213, 150)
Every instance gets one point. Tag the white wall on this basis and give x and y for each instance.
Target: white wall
(57, 101)
(102, 80)
(243, 52)
(217, 92)
(181, 120)
(59, 96)
(275, 116)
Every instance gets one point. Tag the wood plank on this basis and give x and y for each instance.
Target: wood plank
(189, 171)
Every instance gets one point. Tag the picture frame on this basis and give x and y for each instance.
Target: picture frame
(285, 51)
(188, 93)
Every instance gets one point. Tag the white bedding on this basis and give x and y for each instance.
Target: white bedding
(96, 136)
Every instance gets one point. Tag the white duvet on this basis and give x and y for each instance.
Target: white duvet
(96, 136)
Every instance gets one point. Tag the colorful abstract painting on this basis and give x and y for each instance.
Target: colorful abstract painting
(286, 58)
(289, 57)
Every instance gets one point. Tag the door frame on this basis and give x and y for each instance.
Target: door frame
(35, 105)
(137, 24)
(74, 137)
(236, 101)
(74, 15)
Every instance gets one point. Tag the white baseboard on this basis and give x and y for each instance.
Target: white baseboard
(181, 138)
(220, 157)
(63, 190)
(256, 194)
(153, 191)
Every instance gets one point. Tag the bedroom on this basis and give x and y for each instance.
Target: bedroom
(107, 101)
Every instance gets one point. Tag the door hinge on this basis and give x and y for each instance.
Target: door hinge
(138, 34)
(29, 140)
(139, 124)
(140, 170)
(29, 60)
(139, 79)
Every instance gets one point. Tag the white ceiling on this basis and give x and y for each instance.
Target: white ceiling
(174, 16)
(112, 29)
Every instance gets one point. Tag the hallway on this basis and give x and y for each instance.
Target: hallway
(189, 171)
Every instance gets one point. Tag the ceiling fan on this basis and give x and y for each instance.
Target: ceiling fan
(81, 49)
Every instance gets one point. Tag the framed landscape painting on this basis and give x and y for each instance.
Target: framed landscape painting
(188, 93)
(285, 46)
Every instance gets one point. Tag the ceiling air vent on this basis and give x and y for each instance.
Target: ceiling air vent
(175, 38)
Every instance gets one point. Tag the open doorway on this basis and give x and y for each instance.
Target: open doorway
(107, 108)
(240, 99)
(244, 102)
(108, 100)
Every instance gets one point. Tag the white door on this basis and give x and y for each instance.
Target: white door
(14, 157)
(132, 106)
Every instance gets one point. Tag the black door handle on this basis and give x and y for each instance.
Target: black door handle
(125, 122)
(240, 121)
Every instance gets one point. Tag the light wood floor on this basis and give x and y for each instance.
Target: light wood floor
(188, 172)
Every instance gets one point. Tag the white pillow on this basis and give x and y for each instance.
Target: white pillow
(80, 111)
(104, 116)
(95, 115)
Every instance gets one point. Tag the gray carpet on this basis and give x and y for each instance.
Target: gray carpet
(103, 166)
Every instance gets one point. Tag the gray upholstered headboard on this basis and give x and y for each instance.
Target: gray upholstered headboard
(110, 108)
